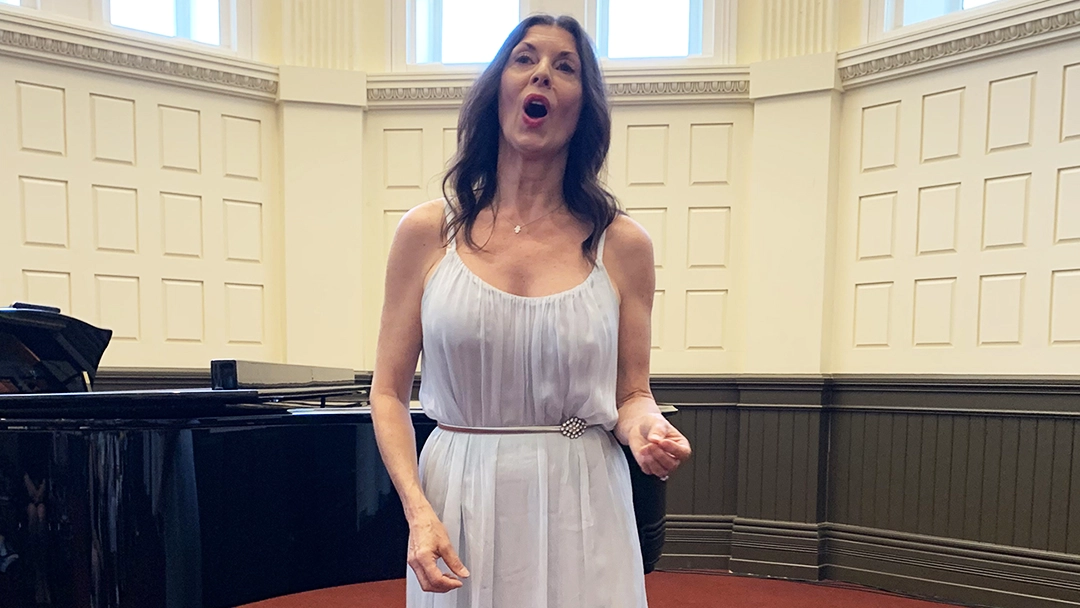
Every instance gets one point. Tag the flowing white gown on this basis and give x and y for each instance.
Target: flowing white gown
(540, 520)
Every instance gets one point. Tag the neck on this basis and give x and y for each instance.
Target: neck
(528, 187)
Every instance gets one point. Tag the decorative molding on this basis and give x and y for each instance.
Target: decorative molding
(909, 564)
(945, 568)
(624, 86)
(701, 87)
(1008, 31)
(416, 95)
(776, 548)
(40, 39)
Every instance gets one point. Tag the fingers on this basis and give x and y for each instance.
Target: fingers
(666, 462)
(429, 576)
(678, 449)
(663, 457)
(453, 562)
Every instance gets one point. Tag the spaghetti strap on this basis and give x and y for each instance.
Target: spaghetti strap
(600, 249)
(448, 212)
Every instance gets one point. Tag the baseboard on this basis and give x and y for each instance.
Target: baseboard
(778, 549)
(973, 573)
(694, 542)
(937, 568)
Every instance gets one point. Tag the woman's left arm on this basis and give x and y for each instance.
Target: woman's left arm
(657, 446)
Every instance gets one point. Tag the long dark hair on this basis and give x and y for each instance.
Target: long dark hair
(470, 183)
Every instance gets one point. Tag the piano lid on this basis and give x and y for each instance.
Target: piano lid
(43, 351)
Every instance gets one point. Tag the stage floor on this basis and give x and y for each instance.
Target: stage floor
(665, 589)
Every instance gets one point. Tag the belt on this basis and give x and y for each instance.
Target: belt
(573, 428)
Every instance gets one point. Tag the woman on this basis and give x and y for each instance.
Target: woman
(530, 296)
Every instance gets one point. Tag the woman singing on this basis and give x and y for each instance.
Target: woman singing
(530, 295)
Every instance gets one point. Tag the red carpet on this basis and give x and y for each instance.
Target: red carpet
(666, 590)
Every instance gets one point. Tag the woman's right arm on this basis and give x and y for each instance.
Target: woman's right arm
(416, 248)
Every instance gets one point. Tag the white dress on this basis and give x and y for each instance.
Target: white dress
(539, 519)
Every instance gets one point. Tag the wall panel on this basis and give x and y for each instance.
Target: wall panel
(957, 188)
(132, 205)
(112, 123)
(999, 480)
(689, 161)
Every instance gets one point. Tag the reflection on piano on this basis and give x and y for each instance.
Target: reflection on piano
(267, 483)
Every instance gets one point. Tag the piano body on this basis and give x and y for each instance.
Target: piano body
(267, 483)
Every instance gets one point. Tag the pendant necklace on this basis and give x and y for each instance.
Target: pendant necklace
(518, 227)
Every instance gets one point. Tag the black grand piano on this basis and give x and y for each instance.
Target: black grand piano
(268, 482)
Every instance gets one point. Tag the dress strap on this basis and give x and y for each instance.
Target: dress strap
(448, 212)
(600, 249)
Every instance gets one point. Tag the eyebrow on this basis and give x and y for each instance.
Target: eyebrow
(561, 54)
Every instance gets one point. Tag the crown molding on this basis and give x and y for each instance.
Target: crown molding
(625, 86)
(1010, 30)
(31, 36)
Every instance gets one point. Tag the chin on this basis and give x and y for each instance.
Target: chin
(531, 146)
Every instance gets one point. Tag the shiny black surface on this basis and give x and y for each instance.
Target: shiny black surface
(207, 512)
(43, 351)
(201, 511)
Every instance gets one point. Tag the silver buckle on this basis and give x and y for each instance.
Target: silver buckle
(573, 428)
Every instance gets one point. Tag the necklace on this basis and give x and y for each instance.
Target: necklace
(518, 227)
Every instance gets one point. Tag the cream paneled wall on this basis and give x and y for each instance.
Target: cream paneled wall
(678, 170)
(144, 208)
(959, 220)
(911, 205)
(406, 154)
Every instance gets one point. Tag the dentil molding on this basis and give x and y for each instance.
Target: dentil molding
(1012, 30)
(624, 87)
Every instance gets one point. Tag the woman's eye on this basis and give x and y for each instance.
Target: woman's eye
(523, 59)
(566, 67)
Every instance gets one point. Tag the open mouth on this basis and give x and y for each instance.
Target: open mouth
(536, 107)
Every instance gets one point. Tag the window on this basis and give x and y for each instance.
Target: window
(198, 20)
(908, 12)
(634, 29)
(461, 31)
(426, 32)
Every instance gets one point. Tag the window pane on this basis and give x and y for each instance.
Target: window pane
(916, 11)
(206, 21)
(636, 29)
(11, 2)
(473, 30)
(154, 16)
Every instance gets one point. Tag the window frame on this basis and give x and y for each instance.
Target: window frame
(235, 21)
(881, 15)
(718, 37)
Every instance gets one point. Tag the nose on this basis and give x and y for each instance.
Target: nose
(541, 77)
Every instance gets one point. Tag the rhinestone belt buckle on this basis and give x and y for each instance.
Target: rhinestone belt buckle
(573, 428)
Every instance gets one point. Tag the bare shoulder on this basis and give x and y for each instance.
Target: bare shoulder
(418, 242)
(422, 224)
(627, 245)
(628, 256)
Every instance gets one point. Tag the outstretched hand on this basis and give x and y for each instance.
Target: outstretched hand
(428, 542)
(658, 447)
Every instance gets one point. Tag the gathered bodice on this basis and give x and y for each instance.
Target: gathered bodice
(492, 358)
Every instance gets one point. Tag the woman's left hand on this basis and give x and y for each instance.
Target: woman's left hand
(658, 447)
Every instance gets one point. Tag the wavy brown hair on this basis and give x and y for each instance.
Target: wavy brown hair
(470, 182)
